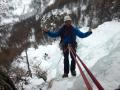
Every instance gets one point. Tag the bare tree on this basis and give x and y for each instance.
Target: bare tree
(29, 70)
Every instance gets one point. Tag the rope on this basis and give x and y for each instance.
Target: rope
(88, 71)
(82, 73)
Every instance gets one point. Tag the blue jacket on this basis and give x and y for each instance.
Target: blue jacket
(69, 39)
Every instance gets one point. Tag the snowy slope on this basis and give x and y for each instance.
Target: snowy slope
(107, 69)
(105, 43)
(101, 43)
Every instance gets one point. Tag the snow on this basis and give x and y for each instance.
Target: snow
(108, 67)
(34, 82)
(32, 38)
(51, 2)
(21, 6)
(9, 20)
(83, 7)
(18, 5)
(100, 43)
(68, 83)
(98, 51)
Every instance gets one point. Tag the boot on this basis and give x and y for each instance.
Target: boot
(73, 73)
(65, 75)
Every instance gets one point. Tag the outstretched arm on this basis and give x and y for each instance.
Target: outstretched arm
(81, 34)
(52, 34)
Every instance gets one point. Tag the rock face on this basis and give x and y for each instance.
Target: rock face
(18, 38)
(5, 82)
(96, 11)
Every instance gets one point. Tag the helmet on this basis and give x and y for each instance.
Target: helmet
(66, 18)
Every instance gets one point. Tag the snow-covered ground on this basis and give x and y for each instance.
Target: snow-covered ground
(100, 52)
(107, 69)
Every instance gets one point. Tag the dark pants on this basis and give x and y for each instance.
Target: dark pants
(66, 61)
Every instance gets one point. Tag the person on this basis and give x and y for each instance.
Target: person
(68, 35)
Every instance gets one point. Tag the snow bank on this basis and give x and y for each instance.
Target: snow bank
(107, 70)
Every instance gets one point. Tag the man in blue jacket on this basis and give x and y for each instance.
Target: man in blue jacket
(68, 35)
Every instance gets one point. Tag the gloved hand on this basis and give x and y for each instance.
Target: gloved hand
(45, 30)
(90, 30)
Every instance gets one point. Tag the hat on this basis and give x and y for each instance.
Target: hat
(66, 18)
